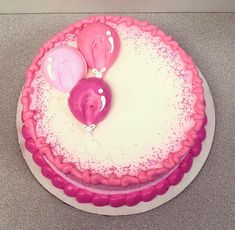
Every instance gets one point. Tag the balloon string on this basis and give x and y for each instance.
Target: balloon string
(97, 73)
(89, 128)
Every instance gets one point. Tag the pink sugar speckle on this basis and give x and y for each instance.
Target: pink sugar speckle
(155, 154)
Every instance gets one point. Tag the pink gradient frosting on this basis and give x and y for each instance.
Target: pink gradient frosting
(40, 150)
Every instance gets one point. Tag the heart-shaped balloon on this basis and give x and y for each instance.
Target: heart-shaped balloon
(99, 44)
(63, 67)
(90, 100)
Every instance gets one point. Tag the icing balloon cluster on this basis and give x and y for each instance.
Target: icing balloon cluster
(65, 68)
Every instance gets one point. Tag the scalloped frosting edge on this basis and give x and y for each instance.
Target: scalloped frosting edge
(191, 147)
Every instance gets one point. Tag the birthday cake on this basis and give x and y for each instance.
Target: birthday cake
(113, 111)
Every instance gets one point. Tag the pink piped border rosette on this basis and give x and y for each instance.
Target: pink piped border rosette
(40, 149)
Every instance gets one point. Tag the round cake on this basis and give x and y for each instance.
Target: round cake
(113, 111)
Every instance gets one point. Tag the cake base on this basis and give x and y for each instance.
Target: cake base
(173, 191)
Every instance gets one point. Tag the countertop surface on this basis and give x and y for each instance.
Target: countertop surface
(207, 203)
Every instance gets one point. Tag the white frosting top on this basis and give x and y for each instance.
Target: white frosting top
(151, 110)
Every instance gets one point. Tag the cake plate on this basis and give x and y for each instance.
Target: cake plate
(172, 192)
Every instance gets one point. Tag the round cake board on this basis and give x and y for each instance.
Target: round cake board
(142, 206)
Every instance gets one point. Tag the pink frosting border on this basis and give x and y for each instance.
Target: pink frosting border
(39, 148)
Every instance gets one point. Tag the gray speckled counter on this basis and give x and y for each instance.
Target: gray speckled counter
(208, 203)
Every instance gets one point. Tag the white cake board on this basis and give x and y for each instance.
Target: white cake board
(173, 191)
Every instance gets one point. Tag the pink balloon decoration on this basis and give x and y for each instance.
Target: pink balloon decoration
(63, 67)
(99, 44)
(90, 100)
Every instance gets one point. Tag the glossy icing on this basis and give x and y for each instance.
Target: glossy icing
(63, 67)
(99, 43)
(90, 101)
(40, 149)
